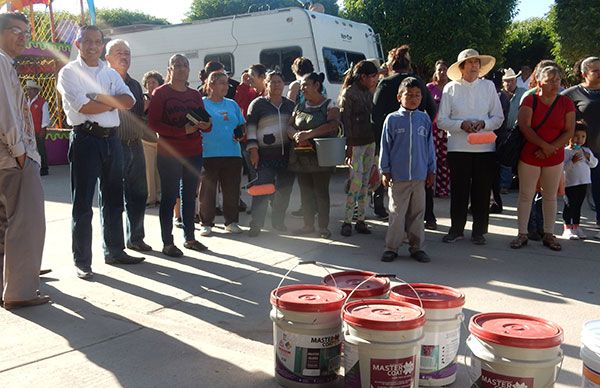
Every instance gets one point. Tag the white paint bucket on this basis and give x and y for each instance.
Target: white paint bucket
(307, 335)
(590, 354)
(443, 314)
(371, 287)
(513, 350)
(382, 343)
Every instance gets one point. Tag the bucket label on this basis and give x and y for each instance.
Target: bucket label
(351, 366)
(591, 378)
(393, 373)
(307, 358)
(493, 380)
(439, 349)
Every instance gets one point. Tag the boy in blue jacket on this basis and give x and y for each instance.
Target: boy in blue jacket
(407, 164)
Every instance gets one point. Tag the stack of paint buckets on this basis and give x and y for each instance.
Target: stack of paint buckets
(408, 340)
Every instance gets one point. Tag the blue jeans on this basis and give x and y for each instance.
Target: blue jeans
(284, 181)
(96, 159)
(596, 187)
(178, 175)
(135, 189)
(506, 177)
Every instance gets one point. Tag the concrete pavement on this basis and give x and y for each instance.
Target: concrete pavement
(203, 320)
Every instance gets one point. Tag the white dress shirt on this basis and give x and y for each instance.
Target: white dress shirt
(17, 136)
(77, 79)
(45, 111)
(462, 100)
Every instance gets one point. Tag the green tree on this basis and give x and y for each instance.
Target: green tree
(437, 28)
(117, 17)
(527, 42)
(576, 27)
(206, 9)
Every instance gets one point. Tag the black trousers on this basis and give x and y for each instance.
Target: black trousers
(226, 171)
(429, 215)
(471, 178)
(314, 194)
(496, 187)
(572, 209)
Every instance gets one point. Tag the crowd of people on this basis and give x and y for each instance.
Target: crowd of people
(163, 142)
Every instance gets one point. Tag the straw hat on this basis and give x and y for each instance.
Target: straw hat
(510, 74)
(487, 64)
(31, 84)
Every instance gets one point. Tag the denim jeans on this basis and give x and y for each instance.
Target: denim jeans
(96, 159)
(506, 177)
(284, 181)
(135, 189)
(178, 175)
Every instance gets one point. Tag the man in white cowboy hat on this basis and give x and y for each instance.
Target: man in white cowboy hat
(41, 119)
(514, 93)
(470, 105)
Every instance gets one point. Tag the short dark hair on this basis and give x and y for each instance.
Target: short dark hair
(210, 67)
(302, 66)
(85, 28)
(271, 74)
(259, 69)
(408, 82)
(6, 18)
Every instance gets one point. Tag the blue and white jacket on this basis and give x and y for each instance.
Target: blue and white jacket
(407, 150)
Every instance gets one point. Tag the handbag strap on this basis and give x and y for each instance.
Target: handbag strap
(547, 112)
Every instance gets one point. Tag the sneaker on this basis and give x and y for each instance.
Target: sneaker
(233, 228)
(452, 237)
(569, 235)
(420, 256)
(178, 223)
(205, 230)
(195, 245)
(362, 228)
(580, 233)
(172, 251)
(84, 273)
(478, 240)
(388, 256)
(346, 229)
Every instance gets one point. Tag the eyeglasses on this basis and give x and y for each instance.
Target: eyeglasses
(19, 32)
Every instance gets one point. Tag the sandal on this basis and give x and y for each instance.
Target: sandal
(519, 242)
(550, 241)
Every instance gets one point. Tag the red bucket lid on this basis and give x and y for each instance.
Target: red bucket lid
(308, 298)
(433, 296)
(382, 314)
(520, 331)
(348, 280)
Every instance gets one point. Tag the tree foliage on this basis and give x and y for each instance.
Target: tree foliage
(527, 42)
(577, 28)
(206, 9)
(116, 17)
(437, 28)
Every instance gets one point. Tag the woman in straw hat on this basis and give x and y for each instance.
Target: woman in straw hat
(470, 105)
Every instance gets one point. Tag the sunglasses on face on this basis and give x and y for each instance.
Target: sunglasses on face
(17, 31)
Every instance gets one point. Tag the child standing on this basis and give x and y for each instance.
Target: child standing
(578, 162)
(407, 165)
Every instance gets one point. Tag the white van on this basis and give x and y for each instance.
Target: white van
(274, 38)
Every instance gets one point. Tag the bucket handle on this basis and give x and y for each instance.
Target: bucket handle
(303, 262)
(382, 275)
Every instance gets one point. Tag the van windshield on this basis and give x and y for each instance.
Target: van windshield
(338, 61)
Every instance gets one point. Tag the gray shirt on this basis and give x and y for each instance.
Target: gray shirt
(133, 122)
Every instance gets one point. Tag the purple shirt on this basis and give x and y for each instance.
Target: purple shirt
(435, 91)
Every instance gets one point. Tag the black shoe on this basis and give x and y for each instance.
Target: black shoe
(242, 206)
(346, 229)
(452, 237)
(84, 273)
(495, 209)
(298, 213)
(430, 225)
(362, 228)
(388, 256)
(420, 256)
(254, 232)
(123, 258)
(478, 240)
(172, 250)
(139, 246)
(195, 245)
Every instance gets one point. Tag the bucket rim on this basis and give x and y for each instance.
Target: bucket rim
(404, 293)
(295, 301)
(516, 330)
(382, 287)
(363, 321)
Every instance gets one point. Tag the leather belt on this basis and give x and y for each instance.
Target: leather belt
(95, 129)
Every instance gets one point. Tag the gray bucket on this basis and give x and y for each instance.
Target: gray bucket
(331, 151)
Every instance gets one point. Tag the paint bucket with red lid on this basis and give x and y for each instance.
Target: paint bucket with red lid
(514, 350)
(441, 340)
(307, 335)
(590, 354)
(359, 284)
(382, 343)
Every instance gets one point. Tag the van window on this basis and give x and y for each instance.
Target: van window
(281, 59)
(225, 58)
(338, 61)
